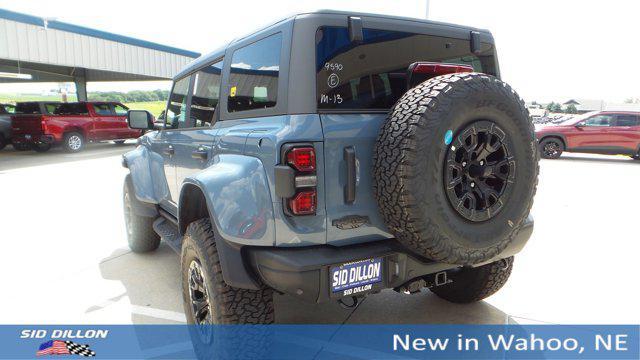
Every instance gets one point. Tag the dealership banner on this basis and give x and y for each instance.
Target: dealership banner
(321, 341)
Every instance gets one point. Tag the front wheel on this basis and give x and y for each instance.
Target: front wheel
(140, 234)
(119, 142)
(474, 284)
(551, 148)
(207, 298)
(73, 142)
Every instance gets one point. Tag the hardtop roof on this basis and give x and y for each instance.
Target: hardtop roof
(219, 52)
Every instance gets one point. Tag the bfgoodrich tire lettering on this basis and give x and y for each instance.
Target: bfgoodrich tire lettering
(410, 163)
(227, 304)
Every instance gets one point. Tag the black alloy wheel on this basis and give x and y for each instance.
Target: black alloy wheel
(551, 150)
(479, 171)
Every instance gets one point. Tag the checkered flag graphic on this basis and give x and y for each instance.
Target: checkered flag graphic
(79, 349)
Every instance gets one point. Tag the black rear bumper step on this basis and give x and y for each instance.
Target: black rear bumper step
(304, 272)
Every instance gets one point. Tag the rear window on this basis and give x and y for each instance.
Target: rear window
(373, 74)
(71, 109)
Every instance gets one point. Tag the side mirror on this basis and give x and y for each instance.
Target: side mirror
(140, 119)
(579, 125)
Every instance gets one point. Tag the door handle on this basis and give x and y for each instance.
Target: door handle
(200, 154)
(169, 150)
(350, 186)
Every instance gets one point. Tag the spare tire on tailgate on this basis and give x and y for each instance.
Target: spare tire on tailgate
(456, 168)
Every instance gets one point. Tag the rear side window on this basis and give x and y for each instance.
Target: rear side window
(71, 109)
(253, 79)
(27, 108)
(102, 109)
(627, 120)
(373, 74)
(206, 94)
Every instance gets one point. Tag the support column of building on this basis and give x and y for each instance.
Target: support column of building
(80, 80)
(81, 88)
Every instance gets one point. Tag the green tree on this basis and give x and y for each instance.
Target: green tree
(554, 107)
(571, 109)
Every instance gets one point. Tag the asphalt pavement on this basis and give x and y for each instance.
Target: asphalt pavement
(65, 257)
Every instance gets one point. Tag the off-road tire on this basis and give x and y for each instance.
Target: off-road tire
(67, 147)
(3, 142)
(409, 162)
(475, 284)
(228, 305)
(140, 234)
(41, 148)
(551, 140)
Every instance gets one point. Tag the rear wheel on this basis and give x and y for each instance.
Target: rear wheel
(140, 234)
(73, 142)
(207, 298)
(475, 284)
(119, 142)
(551, 148)
(3, 142)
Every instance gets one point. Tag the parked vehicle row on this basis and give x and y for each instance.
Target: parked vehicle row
(598, 132)
(42, 125)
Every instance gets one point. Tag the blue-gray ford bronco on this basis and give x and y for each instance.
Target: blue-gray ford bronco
(330, 156)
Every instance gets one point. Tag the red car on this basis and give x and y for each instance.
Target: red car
(599, 132)
(41, 125)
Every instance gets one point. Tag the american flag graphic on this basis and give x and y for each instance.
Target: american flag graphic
(59, 347)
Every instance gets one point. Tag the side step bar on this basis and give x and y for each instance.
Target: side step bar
(168, 231)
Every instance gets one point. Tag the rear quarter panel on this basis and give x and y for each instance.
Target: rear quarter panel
(58, 125)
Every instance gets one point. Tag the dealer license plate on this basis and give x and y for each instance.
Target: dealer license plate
(355, 277)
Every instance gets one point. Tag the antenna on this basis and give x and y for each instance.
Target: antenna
(426, 14)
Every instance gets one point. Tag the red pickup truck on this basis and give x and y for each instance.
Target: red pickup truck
(40, 125)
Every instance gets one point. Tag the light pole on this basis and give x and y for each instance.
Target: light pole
(426, 15)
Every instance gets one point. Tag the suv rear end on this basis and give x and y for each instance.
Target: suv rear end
(352, 85)
(340, 157)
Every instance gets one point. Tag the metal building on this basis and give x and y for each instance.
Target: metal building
(34, 49)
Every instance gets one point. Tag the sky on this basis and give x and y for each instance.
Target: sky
(548, 50)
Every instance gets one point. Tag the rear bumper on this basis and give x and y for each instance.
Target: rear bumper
(304, 272)
(33, 139)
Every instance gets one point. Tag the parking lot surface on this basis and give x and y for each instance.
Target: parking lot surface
(65, 257)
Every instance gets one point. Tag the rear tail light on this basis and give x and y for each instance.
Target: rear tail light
(43, 125)
(439, 68)
(304, 203)
(301, 159)
(422, 71)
